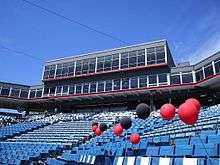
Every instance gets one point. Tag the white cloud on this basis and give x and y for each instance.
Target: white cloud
(211, 46)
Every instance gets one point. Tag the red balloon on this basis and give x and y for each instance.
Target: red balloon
(94, 127)
(188, 113)
(195, 102)
(135, 138)
(168, 111)
(98, 132)
(118, 130)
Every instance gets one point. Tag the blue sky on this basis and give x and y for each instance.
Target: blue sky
(192, 28)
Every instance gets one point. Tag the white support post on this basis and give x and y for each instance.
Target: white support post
(19, 95)
(194, 76)
(168, 78)
(119, 60)
(29, 91)
(166, 56)
(74, 69)
(203, 72)
(145, 56)
(120, 84)
(55, 91)
(181, 78)
(43, 92)
(96, 63)
(213, 66)
(55, 71)
(157, 80)
(10, 91)
(147, 81)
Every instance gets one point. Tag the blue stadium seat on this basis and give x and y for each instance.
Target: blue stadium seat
(166, 151)
(118, 161)
(129, 160)
(184, 150)
(189, 161)
(182, 141)
(214, 139)
(213, 161)
(209, 150)
(143, 161)
(152, 151)
(165, 139)
(208, 132)
(198, 140)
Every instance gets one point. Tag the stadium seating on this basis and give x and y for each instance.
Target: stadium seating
(162, 142)
(165, 142)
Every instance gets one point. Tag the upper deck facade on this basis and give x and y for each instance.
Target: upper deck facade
(115, 60)
(116, 75)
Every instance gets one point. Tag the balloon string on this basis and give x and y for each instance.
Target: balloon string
(204, 147)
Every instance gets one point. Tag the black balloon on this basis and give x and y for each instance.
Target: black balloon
(94, 123)
(103, 127)
(126, 122)
(143, 111)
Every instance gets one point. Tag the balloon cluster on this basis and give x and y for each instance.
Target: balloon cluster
(142, 111)
(99, 129)
(188, 111)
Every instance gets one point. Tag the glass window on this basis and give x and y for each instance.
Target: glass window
(143, 81)
(46, 74)
(125, 83)
(217, 66)
(160, 54)
(49, 71)
(85, 66)
(33, 92)
(187, 78)
(15, 92)
(162, 78)
(133, 59)
(115, 62)
(116, 84)
(101, 85)
(108, 63)
(46, 91)
(65, 89)
(59, 89)
(78, 67)
(86, 88)
(52, 71)
(93, 87)
(92, 65)
(151, 56)
(108, 85)
(24, 94)
(39, 93)
(59, 72)
(78, 88)
(208, 70)
(199, 75)
(141, 57)
(52, 90)
(151, 59)
(134, 82)
(100, 64)
(65, 71)
(124, 60)
(175, 79)
(152, 80)
(71, 89)
(71, 69)
(5, 91)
